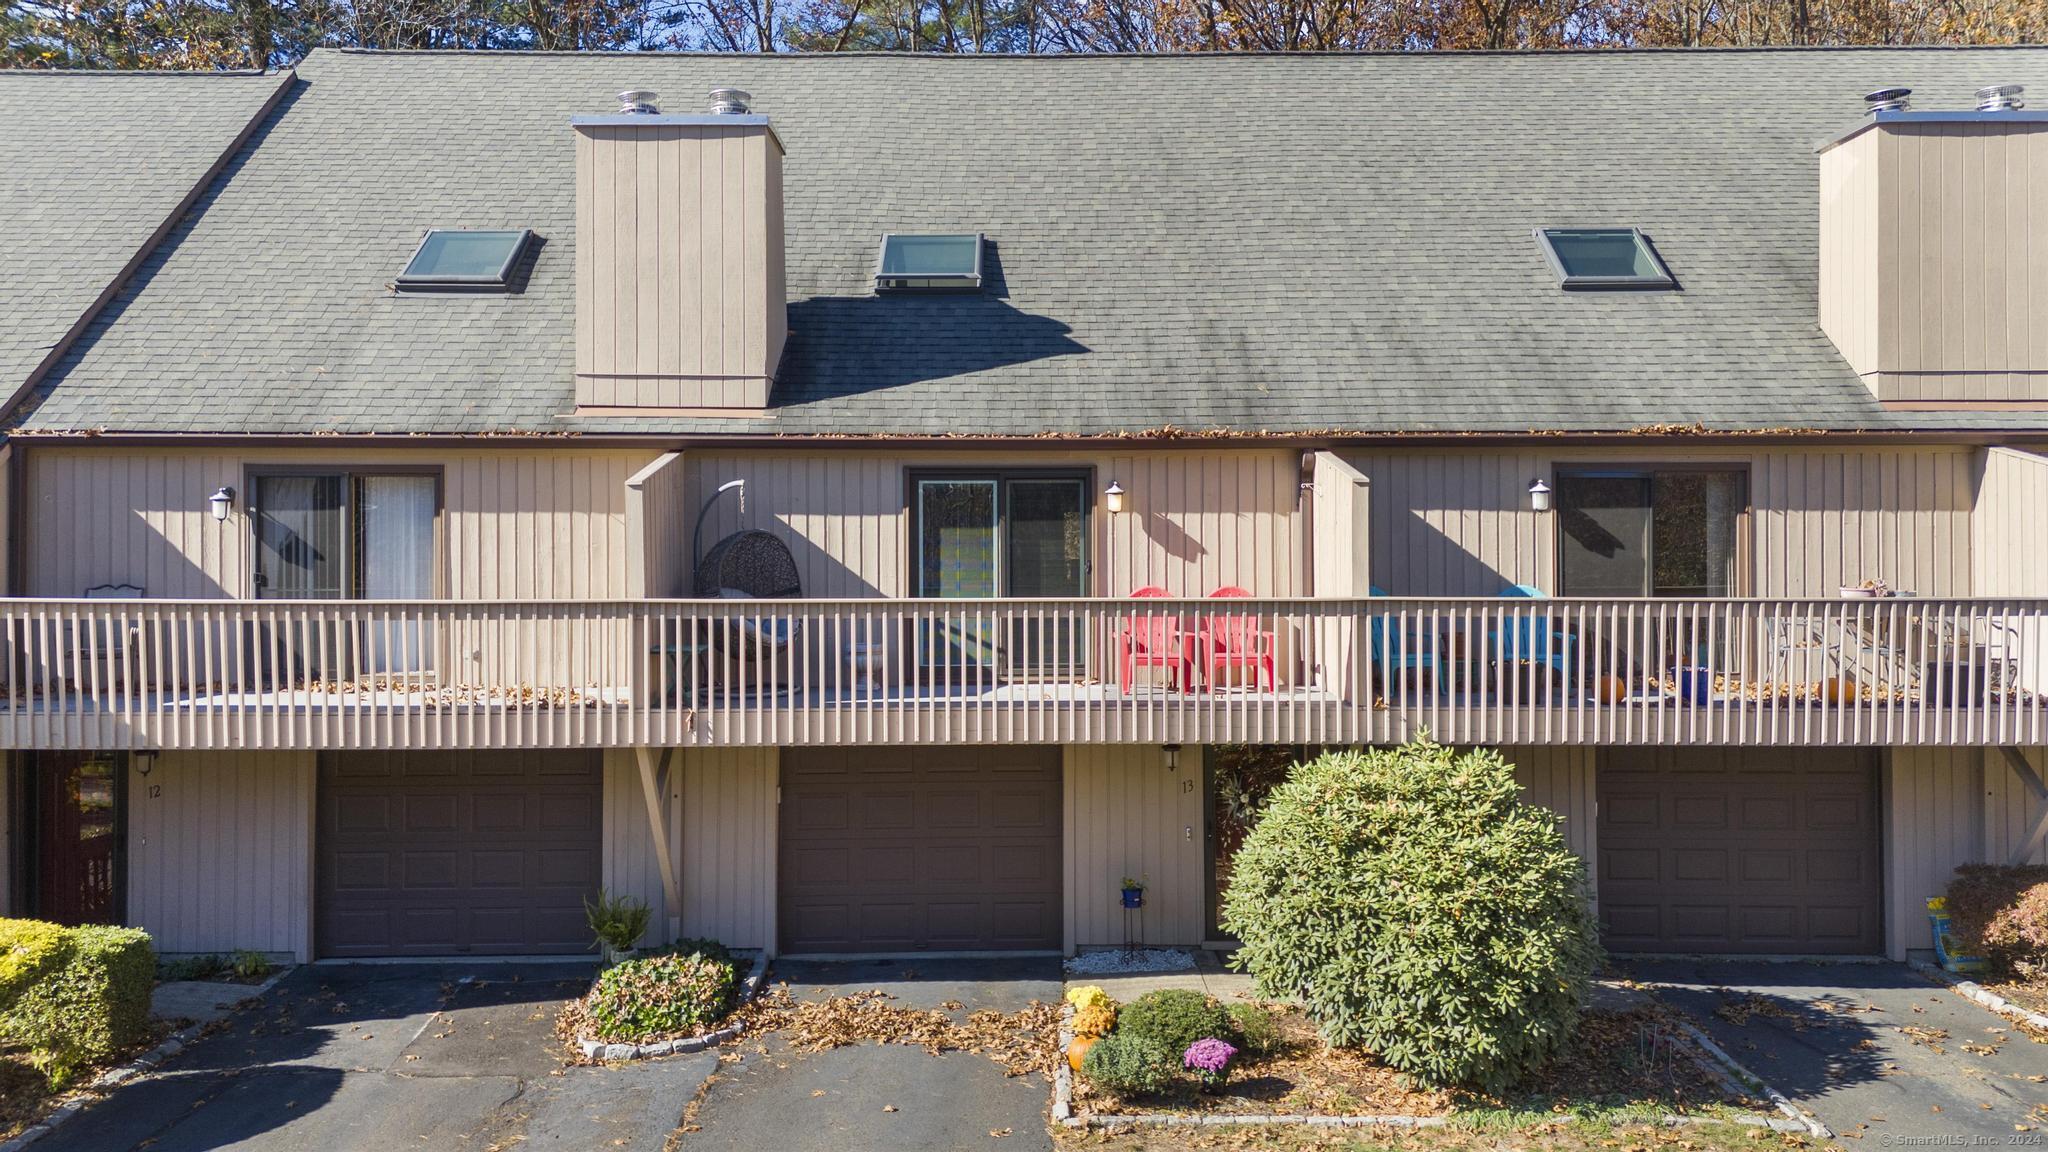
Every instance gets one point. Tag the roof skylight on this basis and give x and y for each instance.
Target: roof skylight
(1604, 258)
(929, 263)
(451, 258)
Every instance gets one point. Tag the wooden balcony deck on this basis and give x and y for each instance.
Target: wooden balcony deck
(95, 674)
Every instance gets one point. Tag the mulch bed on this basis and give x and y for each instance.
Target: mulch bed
(2031, 995)
(25, 1096)
(1619, 1059)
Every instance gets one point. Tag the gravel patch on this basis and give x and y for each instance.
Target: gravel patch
(1144, 960)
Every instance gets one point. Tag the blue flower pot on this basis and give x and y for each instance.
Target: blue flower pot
(1134, 897)
(1696, 685)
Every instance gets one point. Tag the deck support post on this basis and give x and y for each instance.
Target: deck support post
(654, 770)
(2039, 815)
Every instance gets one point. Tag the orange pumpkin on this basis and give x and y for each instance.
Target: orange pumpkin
(1612, 690)
(1078, 1050)
(1839, 689)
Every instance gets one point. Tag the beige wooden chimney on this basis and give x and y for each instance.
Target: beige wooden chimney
(680, 302)
(1934, 252)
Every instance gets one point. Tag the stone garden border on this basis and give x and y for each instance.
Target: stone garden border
(1063, 1108)
(1972, 990)
(141, 1065)
(600, 1050)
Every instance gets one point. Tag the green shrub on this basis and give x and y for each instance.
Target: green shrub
(618, 922)
(1175, 1017)
(1418, 909)
(670, 993)
(1130, 1065)
(29, 949)
(94, 1003)
(204, 966)
(249, 964)
(1252, 1028)
(2002, 914)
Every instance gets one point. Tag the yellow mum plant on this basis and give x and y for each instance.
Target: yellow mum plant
(1094, 1020)
(1089, 994)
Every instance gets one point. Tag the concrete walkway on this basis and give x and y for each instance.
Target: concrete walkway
(1873, 1050)
(1208, 976)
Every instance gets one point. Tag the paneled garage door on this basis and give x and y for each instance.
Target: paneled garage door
(906, 849)
(1740, 850)
(453, 853)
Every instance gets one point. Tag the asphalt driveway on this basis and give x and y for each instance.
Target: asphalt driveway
(884, 1096)
(378, 1056)
(1873, 1050)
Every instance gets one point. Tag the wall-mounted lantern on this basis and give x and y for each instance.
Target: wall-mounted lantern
(1113, 498)
(1539, 495)
(222, 502)
(1172, 756)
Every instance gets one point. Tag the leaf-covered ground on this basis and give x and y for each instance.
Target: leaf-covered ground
(1621, 1062)
(1559, 1136)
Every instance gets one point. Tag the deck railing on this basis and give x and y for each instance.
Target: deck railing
(338, 674)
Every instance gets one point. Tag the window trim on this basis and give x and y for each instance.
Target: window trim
(252, 473)
(502, 278)
(1743, 580)
(1000, 476)
(1568, 281)
(949, 282)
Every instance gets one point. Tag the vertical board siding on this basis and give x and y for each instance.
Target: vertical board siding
(630, 867)
(1850, 249)
(2010, 807)
(679, 274)
(1459, 523)
(2011, 552)
(728, 816)
(1956, 310)
(1126, 815)
(658, 530)
(515, 524)
(1561, 778)
(1933, 821)
(220, 851)
(1192, 522)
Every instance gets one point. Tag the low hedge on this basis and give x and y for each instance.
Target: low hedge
(1175, 1017)
(29, 949)
(90, 1001)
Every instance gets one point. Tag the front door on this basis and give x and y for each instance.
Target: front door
(72, 817)
(1236, 778)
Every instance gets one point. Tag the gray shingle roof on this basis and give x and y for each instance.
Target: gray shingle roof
(91, 165)
(1249, 242)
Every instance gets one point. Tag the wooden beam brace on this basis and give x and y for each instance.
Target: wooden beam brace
(653, 772)
(2032, 779)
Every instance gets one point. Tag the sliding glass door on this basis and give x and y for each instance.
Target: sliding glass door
(340, 535)
(1649, 533)
(983, 535)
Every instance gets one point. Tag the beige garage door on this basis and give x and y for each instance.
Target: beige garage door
(909, 849)
(456, 853)
(1740, 850)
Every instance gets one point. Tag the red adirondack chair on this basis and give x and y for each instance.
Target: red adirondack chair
(1153, 641)
(1237, 642)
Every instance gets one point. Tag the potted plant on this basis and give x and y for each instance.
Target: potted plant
(618, 922)
(1134, 892)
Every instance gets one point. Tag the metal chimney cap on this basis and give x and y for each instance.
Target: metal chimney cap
(1887, 100)
(639, 102)
(2001, 98)
(730, 101)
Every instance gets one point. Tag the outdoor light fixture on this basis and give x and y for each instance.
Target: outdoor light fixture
(145, 759)
(1539, 495)
(697, 533)
(222, 500)
(1113, 497)
(1172, 756)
